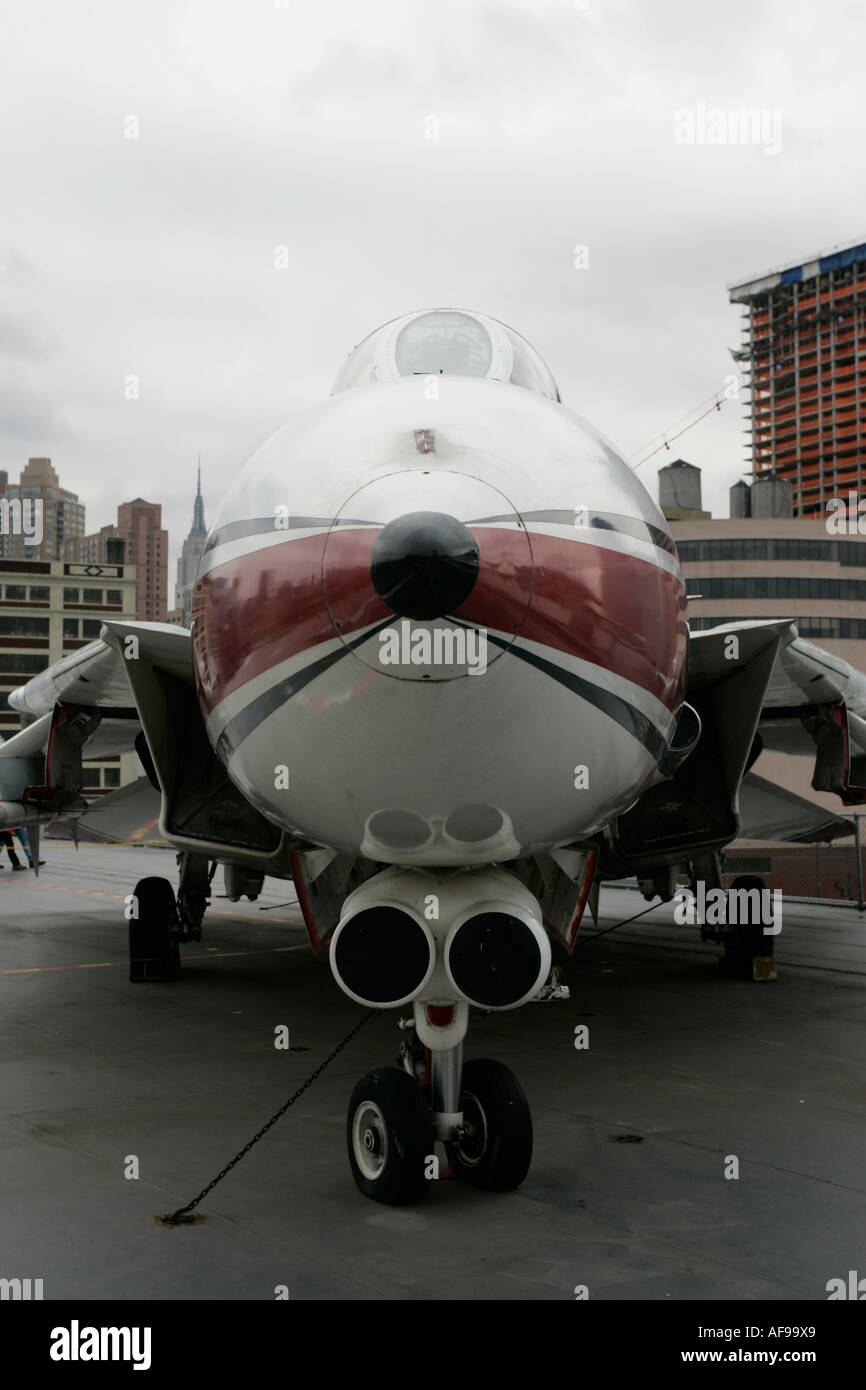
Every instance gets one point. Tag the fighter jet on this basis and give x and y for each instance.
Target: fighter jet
(439, 674)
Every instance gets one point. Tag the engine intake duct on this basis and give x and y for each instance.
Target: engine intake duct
(684, 741)
(497, 957)
(382, 956)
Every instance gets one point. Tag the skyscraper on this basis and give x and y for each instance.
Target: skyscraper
(139, 526)
(62, 515)
(187, 564)
(805, 345)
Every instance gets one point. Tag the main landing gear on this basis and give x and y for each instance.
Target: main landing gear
(749, 950)
(159, 921)
(437, 1117)
(749, 953)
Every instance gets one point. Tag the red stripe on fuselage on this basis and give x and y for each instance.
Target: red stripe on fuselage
(605, 606)
(265, 606)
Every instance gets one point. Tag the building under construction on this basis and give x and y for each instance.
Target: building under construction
(804, 353)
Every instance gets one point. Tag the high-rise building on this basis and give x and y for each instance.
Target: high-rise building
(804, 351)
(187, 564)
(765, 563)
(140, 525)
(138, 530)
(48, 610)
(37, 494)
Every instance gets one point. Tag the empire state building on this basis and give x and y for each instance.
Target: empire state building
(187, 564)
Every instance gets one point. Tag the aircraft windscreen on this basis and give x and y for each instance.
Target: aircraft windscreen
(448, 342)
(444, 341)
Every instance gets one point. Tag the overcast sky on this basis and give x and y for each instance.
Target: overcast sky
(308, 124)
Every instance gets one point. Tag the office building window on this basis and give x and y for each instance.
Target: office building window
(782, 548)
(777, 586)
(13, 626)
(24, 663)
(808, 627)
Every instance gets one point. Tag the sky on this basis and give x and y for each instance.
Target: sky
(206, 205)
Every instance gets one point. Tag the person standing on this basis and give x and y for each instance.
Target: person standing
(6, 839)
(24, 836)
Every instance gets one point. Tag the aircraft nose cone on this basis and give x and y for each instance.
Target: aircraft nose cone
(424, 565)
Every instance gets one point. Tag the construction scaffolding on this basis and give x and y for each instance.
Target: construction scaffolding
(804, 356)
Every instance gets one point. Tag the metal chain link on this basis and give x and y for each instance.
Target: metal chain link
(581, 940)
(174, 1217)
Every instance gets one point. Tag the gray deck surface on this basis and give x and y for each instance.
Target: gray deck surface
(93, 1069)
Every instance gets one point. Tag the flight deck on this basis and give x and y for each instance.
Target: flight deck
(704, 1138)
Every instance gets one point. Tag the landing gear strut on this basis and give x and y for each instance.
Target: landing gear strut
(193, 893)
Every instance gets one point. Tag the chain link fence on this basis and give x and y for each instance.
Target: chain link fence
(834, 870)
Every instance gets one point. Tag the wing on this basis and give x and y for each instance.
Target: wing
(81, 707)
(128, 815)
(135, 688)
(815, 704)
(770, 812)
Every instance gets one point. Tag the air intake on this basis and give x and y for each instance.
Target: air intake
(382, 956)
(497, 958)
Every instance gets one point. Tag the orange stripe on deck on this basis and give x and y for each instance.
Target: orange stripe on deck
(99, 964)
(121, 897)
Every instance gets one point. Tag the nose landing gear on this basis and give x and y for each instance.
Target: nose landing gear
(477, 1111)
(445, 940)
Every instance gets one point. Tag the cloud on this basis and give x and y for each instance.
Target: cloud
(308, 128)
(19, 338)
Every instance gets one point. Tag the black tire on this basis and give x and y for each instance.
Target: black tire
(389, 1107)
(153, 953)
(747, 941)
(748, 881)
(496, 1152)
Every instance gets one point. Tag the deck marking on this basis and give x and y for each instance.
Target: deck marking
(99, 964)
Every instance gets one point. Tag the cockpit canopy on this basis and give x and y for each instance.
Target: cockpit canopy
(446, 342)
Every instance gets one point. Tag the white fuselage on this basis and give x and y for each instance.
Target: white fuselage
(527, 717)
